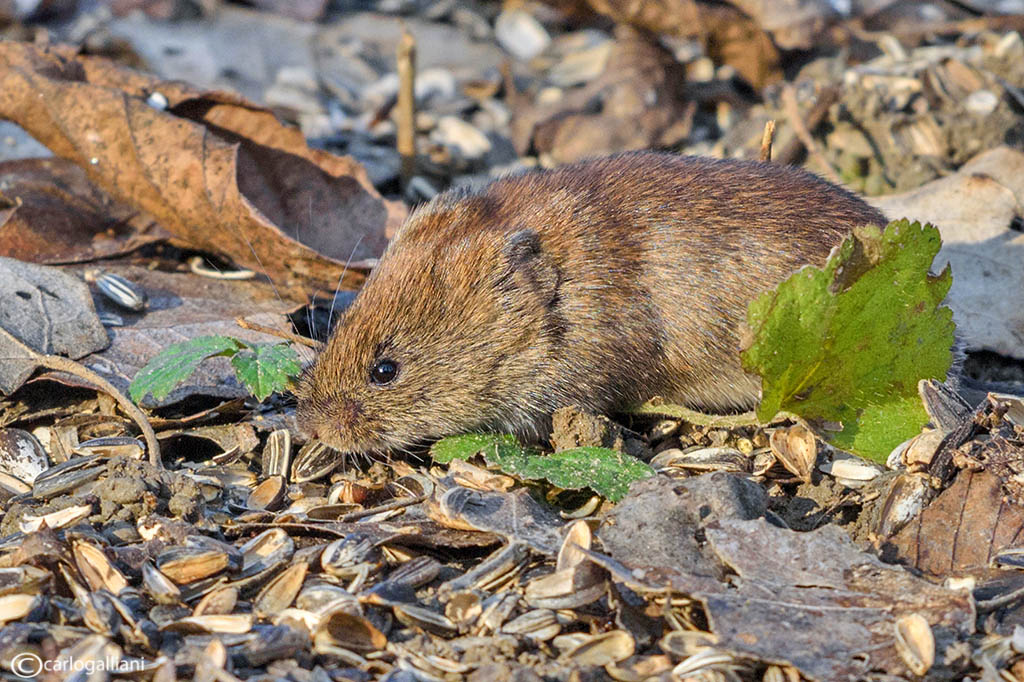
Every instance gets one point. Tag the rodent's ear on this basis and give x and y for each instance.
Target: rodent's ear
(532, 268)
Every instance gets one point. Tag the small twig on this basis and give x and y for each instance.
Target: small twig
(792, 109)
(406, 133)
(62, 364)
(826, 98)
(695, 417)
(287, 336)
(766, 140)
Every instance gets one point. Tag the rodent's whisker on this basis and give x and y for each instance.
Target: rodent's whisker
(337, 289)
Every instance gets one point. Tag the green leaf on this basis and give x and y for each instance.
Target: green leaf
(265, 368)
(176, 363)
(495, 446)
(844, 346)
(605, 471)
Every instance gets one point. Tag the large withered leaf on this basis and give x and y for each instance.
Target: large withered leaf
(220, 173)
(838, 604)
(963, 528)
(51, 213)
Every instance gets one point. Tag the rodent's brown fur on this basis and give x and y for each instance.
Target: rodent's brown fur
(600, 284)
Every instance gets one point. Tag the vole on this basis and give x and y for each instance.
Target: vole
(600, 284)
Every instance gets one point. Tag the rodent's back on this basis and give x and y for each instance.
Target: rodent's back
(601, 283)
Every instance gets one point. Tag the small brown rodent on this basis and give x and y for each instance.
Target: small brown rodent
(599, 284)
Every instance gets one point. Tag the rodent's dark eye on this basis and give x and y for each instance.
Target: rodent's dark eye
(384, 372)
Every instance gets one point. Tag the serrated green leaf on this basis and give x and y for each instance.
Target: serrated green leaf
(495, 445)
(847, 344)
(265, 368)
(606, 471)
(176, 363)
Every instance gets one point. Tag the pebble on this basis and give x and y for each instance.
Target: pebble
(520, 34)
(493, 115)
(420, 189)
(472, 23)
(461, 137)
(848, 138)
(435, 83)
(701, 70)
(1010, 45)
(382, 162)
(581, 66)
(295, 88)
(380, 91)
(345, 74)
(432, 86)
(981, 102)
(548, 95)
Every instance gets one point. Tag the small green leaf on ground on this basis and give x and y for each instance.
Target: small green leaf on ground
(495, 447)
(845, 345)
(176, 363)
(266, 368)
(607, 472)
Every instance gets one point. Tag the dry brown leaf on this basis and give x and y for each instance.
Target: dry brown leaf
(673, 17)
(570, 130)
(735, 40)
(730, 36)
(795, 25)
(220, 173)
(962, 528)
(839, 604)
(53, 214)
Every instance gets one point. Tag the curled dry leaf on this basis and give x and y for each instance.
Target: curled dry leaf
(51, 213)
(962, 529)
(570, 129)
(217, 171)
